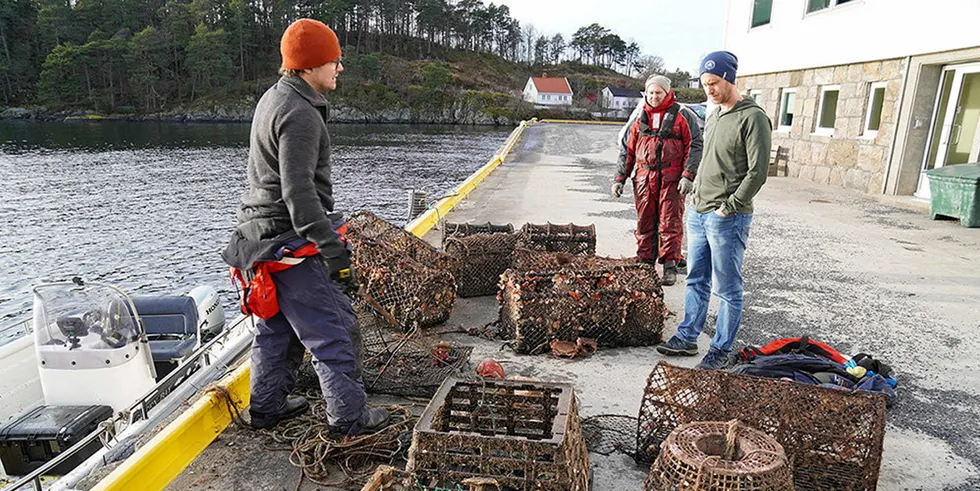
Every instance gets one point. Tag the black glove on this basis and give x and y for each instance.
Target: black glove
(341, 270)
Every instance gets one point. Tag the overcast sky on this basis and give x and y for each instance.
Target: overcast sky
(679, 31)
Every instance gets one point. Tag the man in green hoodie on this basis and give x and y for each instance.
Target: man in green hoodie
(734, 164)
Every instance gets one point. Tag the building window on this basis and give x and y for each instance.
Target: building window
(761, 12)
(787, 109)
(816, 5)
(756, 95)
(827, 113)
(876, 101)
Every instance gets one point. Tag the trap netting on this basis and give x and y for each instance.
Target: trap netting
(405, 364)
(719, 456)
(482, 259)
(832, 438)
(450, 229)
(617, 302)
(576, 239)
(607, 434)
(400, 275)
(523, 435)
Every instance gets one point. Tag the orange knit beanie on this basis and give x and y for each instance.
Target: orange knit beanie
(308, 43)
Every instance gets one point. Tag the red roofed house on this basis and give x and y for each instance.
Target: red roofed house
(547, 91)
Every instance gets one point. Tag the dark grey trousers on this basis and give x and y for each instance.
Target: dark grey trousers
(315, 315)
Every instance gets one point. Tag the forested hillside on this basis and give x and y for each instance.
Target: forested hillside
(145, 56)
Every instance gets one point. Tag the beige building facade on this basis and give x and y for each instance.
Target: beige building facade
(863, 94)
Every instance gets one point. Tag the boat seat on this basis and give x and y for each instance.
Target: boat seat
(171, 325)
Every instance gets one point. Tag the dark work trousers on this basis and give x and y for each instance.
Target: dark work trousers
(660, 212)
(315, 315)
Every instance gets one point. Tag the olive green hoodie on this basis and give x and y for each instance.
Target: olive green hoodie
(735, 160)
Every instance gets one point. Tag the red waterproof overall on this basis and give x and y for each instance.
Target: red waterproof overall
(659, 205)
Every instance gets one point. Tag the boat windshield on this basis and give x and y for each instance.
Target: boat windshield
(90, 317)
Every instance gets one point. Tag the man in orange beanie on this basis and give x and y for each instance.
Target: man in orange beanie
(289, 245)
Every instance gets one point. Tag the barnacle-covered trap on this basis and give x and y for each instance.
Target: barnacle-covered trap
(832, 438)
(400, 275)
(484, 252)
(560, 296)
(522, 435)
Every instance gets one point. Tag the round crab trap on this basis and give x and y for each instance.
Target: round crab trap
(720, 456)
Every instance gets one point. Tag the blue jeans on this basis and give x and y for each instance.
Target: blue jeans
(715, 248)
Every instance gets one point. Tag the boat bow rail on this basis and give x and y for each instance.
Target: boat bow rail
(217, 355)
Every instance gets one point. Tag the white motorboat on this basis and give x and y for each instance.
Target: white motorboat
(95, 369)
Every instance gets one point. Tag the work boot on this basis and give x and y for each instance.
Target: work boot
(670, 273)
(675, 346)
(682, 266)
(714, 359)
(295, 406)
(372, 420)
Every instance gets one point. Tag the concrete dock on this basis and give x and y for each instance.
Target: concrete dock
(862, 274)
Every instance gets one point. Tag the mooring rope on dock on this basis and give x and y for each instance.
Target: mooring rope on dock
(319, 456)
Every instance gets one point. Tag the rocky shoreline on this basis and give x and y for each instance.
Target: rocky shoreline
(243, 114)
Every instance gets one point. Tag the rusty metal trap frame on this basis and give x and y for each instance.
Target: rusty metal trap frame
(617, 302)
(482, 259)
(536, 260)
(404, 364)
(400, 275)
(452, 229)
(719, 456)
(523, 435)
(390, 478)
(832, 438)
(576, 239)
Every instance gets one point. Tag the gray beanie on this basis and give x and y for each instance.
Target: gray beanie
(660, 80)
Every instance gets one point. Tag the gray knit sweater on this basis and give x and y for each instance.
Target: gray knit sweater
(289, 169)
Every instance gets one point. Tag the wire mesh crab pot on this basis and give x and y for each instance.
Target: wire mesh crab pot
(450, 229)
(404, 364)
(536, 260)
(576, 239)
(719, 456)
(400, 275)
(832, 438)
(482, 259)
(616, 302)
(523, 435)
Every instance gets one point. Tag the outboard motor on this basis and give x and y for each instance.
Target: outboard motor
(91, 346)
(210, 317)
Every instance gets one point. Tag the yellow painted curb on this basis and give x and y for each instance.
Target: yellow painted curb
(575, 121)
(424, 222)
(168, 453)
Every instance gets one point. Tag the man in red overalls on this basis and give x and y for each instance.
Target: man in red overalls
(664, 147)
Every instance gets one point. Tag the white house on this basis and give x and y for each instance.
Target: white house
(546, 91)
(620, 100)
(865, 94)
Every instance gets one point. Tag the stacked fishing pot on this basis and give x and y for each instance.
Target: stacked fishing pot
(399, 275)
(559, 297)
(832, 438)
(514, 434)
(484, 252)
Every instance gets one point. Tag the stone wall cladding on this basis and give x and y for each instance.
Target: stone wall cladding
(848, 158)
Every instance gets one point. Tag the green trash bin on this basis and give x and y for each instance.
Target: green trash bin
(956, 193)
